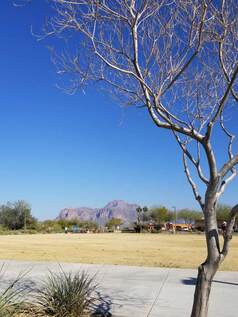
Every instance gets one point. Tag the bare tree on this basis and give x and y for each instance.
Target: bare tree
(178, 59)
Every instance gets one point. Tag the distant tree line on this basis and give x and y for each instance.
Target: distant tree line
(18, 216)
(159, 215)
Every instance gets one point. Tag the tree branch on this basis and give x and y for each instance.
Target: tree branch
(229, 231)
(191, 182)
(196, 163)
(228, 166)
(222, 103)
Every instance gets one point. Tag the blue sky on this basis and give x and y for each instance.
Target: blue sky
(83, 150)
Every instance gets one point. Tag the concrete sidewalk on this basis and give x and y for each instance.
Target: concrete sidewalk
(142, 291)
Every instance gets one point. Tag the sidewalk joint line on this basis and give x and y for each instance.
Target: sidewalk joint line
(158, 295)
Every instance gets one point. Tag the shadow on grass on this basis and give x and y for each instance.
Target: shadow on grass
(193, 281)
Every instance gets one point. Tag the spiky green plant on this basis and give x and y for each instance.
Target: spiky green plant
(66, 294)
(11, 297)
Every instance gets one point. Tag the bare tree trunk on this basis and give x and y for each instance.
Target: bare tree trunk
(202, 291)
(208, 269)
(215, 257)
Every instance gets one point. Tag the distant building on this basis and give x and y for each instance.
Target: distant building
(178, 226)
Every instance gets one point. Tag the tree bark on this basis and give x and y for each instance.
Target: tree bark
(202, 291)
(215, 256)
(208, 269)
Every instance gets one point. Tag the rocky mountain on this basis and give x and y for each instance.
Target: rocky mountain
(114, 209)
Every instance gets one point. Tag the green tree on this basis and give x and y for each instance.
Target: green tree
(223, 212)
(145, 214)
(139, 218)
(145, 209)
(189, 216)
(171, 216)
(89, 225)
(17, 215)
(159, 214)
(50, 226)
(114, 222)
(142, 216)
(68, 222)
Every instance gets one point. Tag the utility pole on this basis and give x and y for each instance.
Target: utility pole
(24, 220)
(175, 211)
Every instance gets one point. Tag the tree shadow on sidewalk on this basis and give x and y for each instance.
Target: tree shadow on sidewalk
(193, 281)
(102, 307)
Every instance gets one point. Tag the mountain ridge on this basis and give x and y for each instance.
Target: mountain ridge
(113, 209)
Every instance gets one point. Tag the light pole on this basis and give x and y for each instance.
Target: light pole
(139, 211)
(175, 211)
(24, 220)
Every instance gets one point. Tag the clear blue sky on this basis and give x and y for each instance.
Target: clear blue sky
(83, 150)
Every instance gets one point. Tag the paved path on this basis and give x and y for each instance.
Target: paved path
(131, 291)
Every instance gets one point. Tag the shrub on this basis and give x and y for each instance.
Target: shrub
(11, 297)
(49, 226)
(66, 295)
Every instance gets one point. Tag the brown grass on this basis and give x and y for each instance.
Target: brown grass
(159, 250)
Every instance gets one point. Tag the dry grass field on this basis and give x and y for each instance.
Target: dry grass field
(161, 250)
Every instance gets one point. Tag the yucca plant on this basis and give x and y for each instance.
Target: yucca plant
(66, 295)
(11, 297)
